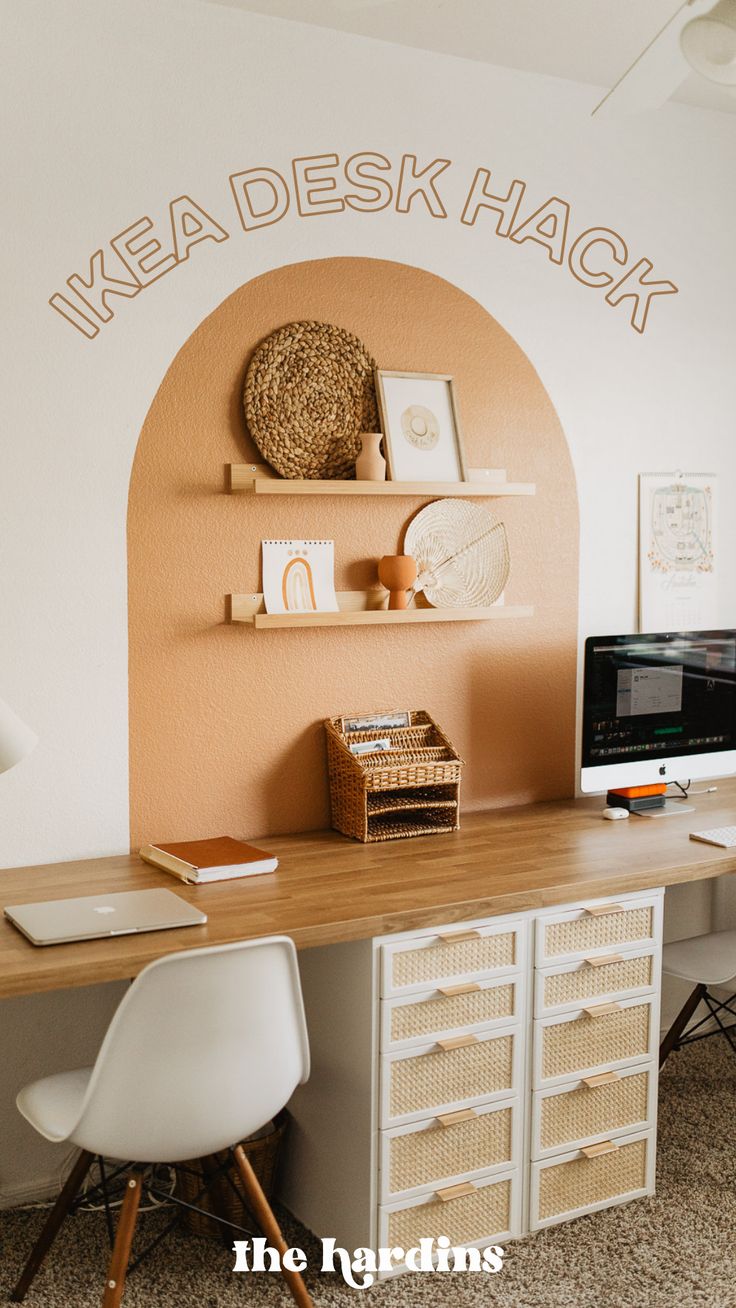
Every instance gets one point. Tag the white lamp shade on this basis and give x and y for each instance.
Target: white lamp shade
(709, 43)
(16, 739)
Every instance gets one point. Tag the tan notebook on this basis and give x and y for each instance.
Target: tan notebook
(219, 859)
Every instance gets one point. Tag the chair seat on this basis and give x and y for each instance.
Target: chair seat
(709, 959)
(54, 1104)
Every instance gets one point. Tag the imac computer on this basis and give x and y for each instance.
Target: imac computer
(657, 709)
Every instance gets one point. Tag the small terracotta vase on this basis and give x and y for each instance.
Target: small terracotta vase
(397, 572)
(370, 464)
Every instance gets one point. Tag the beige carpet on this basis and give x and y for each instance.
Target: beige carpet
(674, 1251)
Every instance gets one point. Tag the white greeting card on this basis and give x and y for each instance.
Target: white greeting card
(299, 576)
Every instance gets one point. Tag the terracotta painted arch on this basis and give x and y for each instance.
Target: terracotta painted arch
(225, 721)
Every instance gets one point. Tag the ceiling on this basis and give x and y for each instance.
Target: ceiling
(592, 41)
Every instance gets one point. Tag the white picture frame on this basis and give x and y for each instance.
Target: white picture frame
(421, 427)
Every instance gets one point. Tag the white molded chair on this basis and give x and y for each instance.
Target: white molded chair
(205, 1048)
(706, 961)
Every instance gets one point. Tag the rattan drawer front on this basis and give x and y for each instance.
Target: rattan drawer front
(608, 976)
(599, 928)
(581, 1043)
(462, 1008)
(444, 1150)
(486, 1214)
(458, 953)
(582, 1113)
(573, 1184)
(429, 1079)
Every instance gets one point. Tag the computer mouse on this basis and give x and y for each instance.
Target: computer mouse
(613, 813)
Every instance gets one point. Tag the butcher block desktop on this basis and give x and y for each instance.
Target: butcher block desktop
(329, 889)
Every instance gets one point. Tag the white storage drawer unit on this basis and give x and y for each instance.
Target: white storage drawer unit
(586, 1180)
(472, 1213)
(590, 1110)
(598, 929)
(472, 1083)
(452, 954)
(595, 1039)
(449, 1074)
(449, 1010)
(450, 1147)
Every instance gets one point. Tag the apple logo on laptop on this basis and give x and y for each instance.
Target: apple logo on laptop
(104, 908)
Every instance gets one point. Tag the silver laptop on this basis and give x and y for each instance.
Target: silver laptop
(58, 921)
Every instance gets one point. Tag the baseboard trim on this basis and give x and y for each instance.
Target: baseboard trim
(38, 1191)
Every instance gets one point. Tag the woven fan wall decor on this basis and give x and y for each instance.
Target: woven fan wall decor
(309, 392)
(462, 555)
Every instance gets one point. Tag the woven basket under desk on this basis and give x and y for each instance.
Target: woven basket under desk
(411, 789)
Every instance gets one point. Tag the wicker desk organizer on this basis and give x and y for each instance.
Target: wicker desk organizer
(411, 790)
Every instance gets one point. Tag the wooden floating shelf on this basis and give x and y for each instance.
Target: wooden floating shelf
(259, 479)
(361, 608)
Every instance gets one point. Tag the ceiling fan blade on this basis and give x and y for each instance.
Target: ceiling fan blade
(657, 71)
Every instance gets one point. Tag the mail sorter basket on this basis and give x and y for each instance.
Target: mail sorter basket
(412, 789)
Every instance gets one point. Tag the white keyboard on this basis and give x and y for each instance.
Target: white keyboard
(723, 836)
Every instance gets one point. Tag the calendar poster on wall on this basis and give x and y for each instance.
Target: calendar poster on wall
(677, 566)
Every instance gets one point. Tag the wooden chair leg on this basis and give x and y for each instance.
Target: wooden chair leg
(678, 1026)
(115, 1283)
(52, 1225)
(268, 1224)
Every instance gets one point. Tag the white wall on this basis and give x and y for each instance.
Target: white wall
(114, 109)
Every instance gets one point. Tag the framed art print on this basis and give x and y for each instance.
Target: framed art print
(421, 429)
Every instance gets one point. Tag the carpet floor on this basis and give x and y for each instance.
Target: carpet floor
(676, 1250)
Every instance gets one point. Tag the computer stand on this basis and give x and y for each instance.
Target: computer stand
(647, 801)
(670, 808)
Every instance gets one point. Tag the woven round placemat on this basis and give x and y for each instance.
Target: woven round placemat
(309, 391)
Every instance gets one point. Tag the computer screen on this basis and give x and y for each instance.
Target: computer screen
(658, 707)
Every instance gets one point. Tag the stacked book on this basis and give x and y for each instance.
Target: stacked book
(200, 861)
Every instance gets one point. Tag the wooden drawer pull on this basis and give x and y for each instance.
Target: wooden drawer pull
(605, 1147)
(604, 959)
(457, 1042)
(467, 989)
(456, 937)
(455, 1191)
(462, 1115)
(600, 1010)
(603, 1078)
(601, 910)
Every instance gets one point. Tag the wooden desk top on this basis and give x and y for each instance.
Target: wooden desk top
(329, 889)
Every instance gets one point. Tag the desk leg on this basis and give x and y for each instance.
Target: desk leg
(53, 1225)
